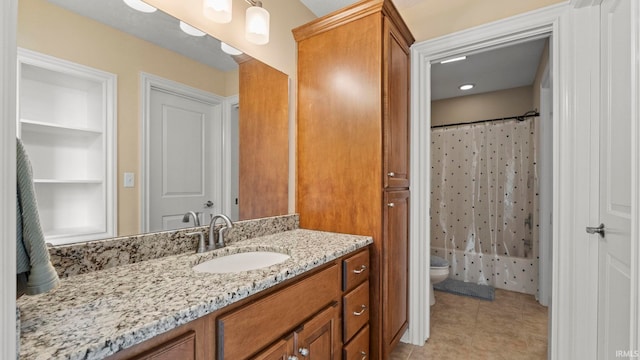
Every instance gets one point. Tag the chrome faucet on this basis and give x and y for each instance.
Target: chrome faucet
(227, 225)
(196, 219)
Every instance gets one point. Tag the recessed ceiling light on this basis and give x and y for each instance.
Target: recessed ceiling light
(453, 59)
(140, 6)
(466, 87)
(190, 29)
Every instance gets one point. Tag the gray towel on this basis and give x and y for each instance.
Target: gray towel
(32, 255)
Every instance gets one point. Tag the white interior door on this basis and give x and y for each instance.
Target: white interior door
(185, 149)
(616, 187)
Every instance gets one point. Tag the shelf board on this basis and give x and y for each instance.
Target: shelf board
(67, 181)
(42, 126)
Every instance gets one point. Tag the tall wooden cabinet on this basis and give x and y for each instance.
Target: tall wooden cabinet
(353, 146)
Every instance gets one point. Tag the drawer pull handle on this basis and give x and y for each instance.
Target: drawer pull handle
(364, 355)
(362, 269)
(358, 313)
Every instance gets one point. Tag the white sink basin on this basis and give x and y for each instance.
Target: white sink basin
(241, 262)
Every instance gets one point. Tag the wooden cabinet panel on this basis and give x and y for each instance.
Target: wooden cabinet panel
(353, 130)
(356, 310)
(396, 116)
(193, 340)
(358, 347)
(264, 141)
(355, 270)
(278, 351)
(271, 317)
(318, 339)
(395, 272)
(183, 347)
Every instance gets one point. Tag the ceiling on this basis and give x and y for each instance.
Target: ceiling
(158, 28)
(323, 7)
(498, 69)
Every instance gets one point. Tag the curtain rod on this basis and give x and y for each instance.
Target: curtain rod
(528, 114)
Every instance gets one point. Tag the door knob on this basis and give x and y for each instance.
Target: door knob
(599, 230)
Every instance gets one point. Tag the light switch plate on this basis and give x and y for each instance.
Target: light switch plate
(129, 180)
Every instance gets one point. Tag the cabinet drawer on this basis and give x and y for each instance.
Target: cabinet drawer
(358, 348)
(243, 332)
(356, 310)
(355, 270)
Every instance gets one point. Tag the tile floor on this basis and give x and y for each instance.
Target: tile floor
(513, 326)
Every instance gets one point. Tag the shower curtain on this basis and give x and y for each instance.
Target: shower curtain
(483, 202)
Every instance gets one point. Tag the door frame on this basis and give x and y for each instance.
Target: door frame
(8, 71)
(227, 141)
(574, 46)
(149, 82)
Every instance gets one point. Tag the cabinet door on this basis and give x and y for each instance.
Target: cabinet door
(319, 338)
(395, 267)
(182, 347)
(396, 108)
(278, 351)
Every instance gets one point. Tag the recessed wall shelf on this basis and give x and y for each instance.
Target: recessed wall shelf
(66, 120)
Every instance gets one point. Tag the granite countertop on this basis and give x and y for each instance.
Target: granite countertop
(94, 315)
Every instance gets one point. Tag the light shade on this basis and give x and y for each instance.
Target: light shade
(257, 25)
(190, 29)
(217, 10)
(229, 49)
(140, 6)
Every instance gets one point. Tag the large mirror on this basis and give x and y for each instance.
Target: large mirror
(197, 129)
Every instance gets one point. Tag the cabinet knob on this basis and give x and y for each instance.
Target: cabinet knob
(391, 174)
(364, 355)
(358, 313)
(303, 351)
(391, 204)
(292, 357)
(361, 270)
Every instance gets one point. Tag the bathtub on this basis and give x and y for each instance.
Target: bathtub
(502, 272)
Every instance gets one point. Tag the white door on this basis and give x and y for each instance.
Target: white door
(614, 286)
(185, 150)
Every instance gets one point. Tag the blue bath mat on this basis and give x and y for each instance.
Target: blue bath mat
(484, 292)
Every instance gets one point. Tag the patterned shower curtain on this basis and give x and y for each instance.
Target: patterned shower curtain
(483, 188)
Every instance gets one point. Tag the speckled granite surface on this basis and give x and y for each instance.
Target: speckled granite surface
(93, 315)
(83, 258)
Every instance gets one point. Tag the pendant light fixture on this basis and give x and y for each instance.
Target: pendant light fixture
(140, 6)
(257, 23)
(217, 10)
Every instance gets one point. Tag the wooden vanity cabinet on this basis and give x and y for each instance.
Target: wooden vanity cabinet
(315, 339)
(301, 318)
(353, 146)
(191, 341)
(243, 332)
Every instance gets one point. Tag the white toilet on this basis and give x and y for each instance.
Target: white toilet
(438, 272)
